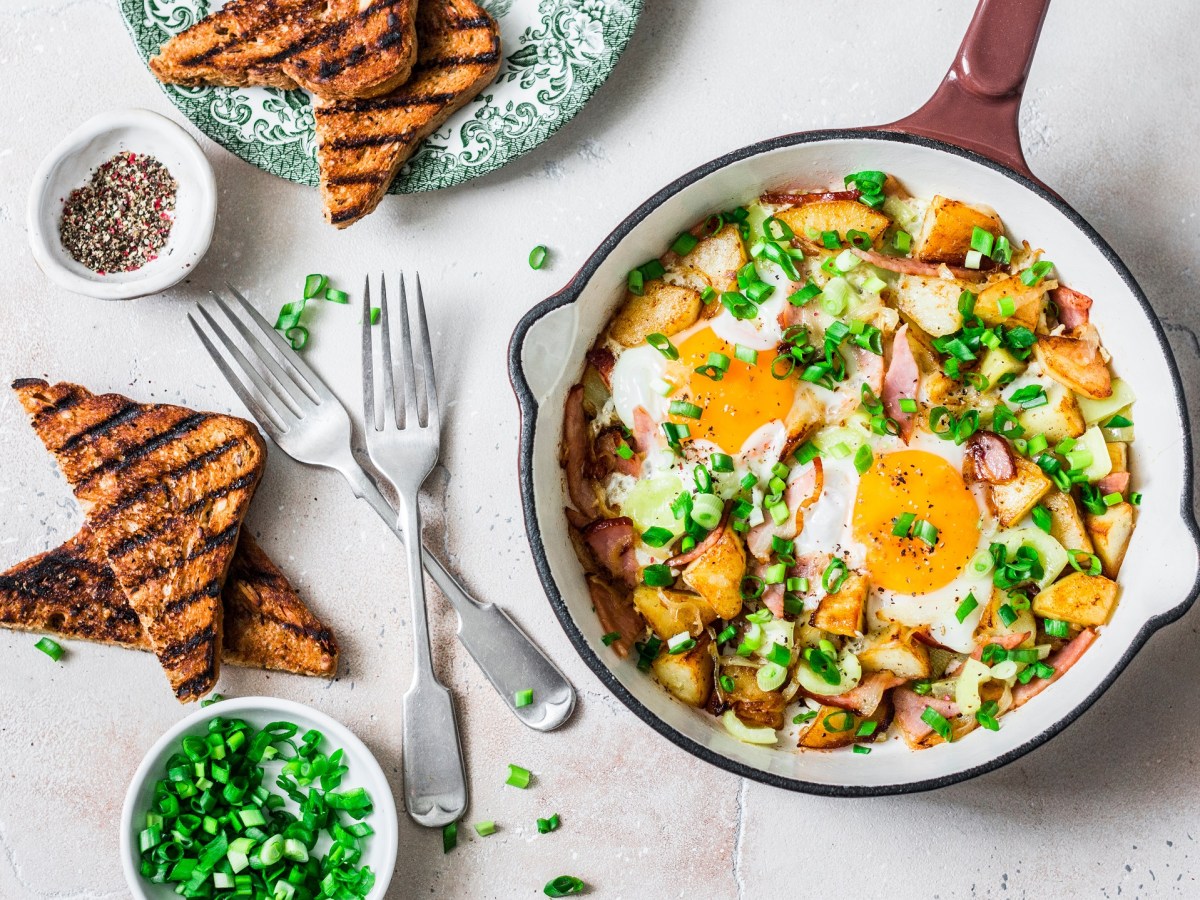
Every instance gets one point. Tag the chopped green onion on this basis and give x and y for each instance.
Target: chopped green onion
(746, 354)
(860, 749)
(834, 576)
(450, 832)
(726, 683)
(657, 575)
(313, 285)
(545, 826)
(483, 829)
(806, 293)
(908, 405)
(863, 459)
(624, 451)
(685, 409)
(537, 256)
(1029, 397)
(937, 722)
(1033, 276)
(982, 240)
(1007, 614)
(1117, 422)
(721, 462)
(636, 282)
(1135, 498)
(297, 336)
(374, 315)
(968, 606)
(657, 536)
(518, 777)
(716, 367)
(1056, 628)
(830, 240)
(780, 655)
(986, 715)
(684, 244)
(1041, 518)
(902, 241)
(51, 648)
(564, 886)
(903, 525)
(610, 638)
(335, 296)
(289, 315)
(523, 698)
(1112, 499)
(1077, 558)
(663, 345)
(926, 532)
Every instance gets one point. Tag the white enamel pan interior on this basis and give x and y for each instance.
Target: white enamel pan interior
(1159, 577)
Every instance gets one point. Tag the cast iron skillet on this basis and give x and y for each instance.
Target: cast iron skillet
(963, 143)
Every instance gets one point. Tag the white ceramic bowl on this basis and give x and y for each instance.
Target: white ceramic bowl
(71, 164)
(380, 849)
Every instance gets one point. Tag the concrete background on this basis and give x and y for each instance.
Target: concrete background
(1107, 809)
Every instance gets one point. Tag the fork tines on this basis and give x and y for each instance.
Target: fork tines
(409, 414)
(281, 389)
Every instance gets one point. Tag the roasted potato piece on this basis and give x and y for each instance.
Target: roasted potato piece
(1059, 418)
(715, 261)
(1066, 525)
(895, 650)
(931, 302)
(991, 625)
(1012, 501)
(842, 612)
(998, 363)
(1075, 364)
(717, 574)
(1118, 455)
(688, 676)
(1028, 302)
(946, 231)
(1111, 532)
(750, 703)
(835, 215)
(670, 612)
(662, 308)
(1080, 599)
(806, 416)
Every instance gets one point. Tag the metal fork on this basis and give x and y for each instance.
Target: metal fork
(404, 450)
(305, 420)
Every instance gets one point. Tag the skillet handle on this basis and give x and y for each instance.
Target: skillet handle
(977, 104)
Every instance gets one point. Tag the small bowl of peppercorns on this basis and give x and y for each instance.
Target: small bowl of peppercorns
(123, 207)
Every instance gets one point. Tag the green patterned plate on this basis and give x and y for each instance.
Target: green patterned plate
(557, 53)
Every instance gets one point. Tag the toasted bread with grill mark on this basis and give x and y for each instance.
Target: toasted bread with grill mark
(334, 48)
(164, 490)
(361, 144)
(71, 592)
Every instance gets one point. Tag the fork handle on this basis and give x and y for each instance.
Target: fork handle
(505, 654)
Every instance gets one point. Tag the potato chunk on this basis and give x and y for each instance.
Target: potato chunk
(1080, 599)
(717, 574)
(670, 612)
(715, 261)
(946, 231)
(662, 308)
(1066, 525)
(895, 650)
(1027, 301)
(842, 612)
(1058, 418)
(834, 727)
(1075, 364)
(688, 676)
(750, 703)
(835, 215)
(1013, 501)
(931, 302)
(1111, 532)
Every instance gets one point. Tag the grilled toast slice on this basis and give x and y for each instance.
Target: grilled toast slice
(71, 592)
(361, 144)
(164, 490)
(334, 48)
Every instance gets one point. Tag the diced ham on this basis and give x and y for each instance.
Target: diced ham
(772, 599)
(865, 698)
(906, 266)
(646, 433)
(1113, 482)
(910, 706)
(604, 360)
(1007, 641)
(1073, 307)
(1061, 661)
(786, 198)
(608, 460)
(870, 368)
(616, 613)
(613, 543)
(990, 458)
(701, 548)
(804, 487)
(575, 455)
(901, 381)
(576, 518)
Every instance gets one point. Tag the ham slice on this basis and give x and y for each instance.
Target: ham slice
(616, 613)
(1061, 661)
(575, 455)
(701, 548)
(910, 706)
(612, 542)
(865, 698)
(604, 360)
(772, 598)
(646, 432)
(804, 487)
(991, 458)
(870, 368)
(1073, 307)
(1113, 482)
(608, 460)
(786, 198)
(906, 266)
(901, 380)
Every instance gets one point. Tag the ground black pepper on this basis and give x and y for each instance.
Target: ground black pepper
(121, 219)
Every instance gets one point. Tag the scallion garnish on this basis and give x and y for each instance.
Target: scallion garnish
(450, 832)
(968, 606)
(657, 575)
(716, 366)
(374, 315)
(684, 244)
(908, 405)
(545, 826)
(1033, 276)
(537, 256)
(51, 648)
(483, 829)
(1007, 614)
(685, 409)
(863, 459)
(564, 886)
(806, 293)
(1041, 518)
(1082, 561)
(1056, 628)
(523, 698)
(937, 722)
(297, 336)
(982, 240)
(518, 777)
(721, 462)
(333, 295)
(834, 576)
(728, 633)
(746, 354)
(314, 285)
(1029, 397)
(925, 531)
(663, 345)
(986, 715)
(902, 527)
(610, 638)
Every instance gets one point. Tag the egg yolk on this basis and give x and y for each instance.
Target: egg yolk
(927, 486)
(746, 398)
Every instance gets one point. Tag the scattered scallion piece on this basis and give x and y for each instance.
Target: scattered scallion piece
(902, 527)
(1056, 628)
(314, 285)
(545, 826)
(297, 336)
(968, 606)
(684, 244)
(374, 315)
(537, 256)
(450, 832)
(517, 776)
(210, 700)
(1041, 518)
(663, 345)
(523, 698)
(564, 886)
(937, 722)
(51, 648)
(925, 531)
(908, 405)
(483, 829)
(335, 296)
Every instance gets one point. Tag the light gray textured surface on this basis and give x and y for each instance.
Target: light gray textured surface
(1107, 809)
